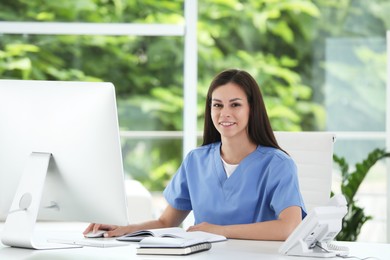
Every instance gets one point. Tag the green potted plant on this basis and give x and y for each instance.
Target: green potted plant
(350, 183)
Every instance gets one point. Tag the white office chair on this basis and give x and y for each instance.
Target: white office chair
(313, 155)
(139, 202)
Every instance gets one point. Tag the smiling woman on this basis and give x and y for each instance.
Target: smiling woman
(259, 199)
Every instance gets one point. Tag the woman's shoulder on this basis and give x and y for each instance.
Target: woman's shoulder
(277, 159)
(273, 152)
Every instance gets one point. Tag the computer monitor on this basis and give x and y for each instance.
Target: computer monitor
(60, 155)
(317, 230)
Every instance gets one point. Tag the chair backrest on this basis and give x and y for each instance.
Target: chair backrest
(313, 155)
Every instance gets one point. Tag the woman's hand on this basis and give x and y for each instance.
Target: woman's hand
(278, 229)
(207, 227)
(171, 217)
(111, 230)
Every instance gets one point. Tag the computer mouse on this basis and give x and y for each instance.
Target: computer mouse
(99, 233)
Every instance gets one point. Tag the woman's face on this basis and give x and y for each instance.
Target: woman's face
(230, 111)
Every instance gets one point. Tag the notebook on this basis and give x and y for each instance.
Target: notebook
(171, 246)
(175, 232)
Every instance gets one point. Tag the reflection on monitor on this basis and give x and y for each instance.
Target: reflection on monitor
(318, 228)
(60, 156)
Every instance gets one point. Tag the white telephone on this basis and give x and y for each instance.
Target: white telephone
(314, 234)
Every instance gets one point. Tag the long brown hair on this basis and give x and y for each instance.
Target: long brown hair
(259, 127)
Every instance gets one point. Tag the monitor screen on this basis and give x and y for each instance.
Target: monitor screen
(77, 124)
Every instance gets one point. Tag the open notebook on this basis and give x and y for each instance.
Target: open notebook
(174, 232)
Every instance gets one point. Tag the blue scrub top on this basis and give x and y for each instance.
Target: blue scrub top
(264, 183)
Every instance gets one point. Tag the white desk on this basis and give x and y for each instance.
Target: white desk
(231, 249)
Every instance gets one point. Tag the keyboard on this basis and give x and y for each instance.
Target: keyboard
(92, 242)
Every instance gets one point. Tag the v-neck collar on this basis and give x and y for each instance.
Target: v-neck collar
(220, 171)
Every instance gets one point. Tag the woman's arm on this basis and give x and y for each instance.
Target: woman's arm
(171, 217)
(278, 229)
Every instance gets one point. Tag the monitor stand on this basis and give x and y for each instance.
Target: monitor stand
(19, 226)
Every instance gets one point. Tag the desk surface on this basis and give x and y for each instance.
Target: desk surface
(231, 249)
